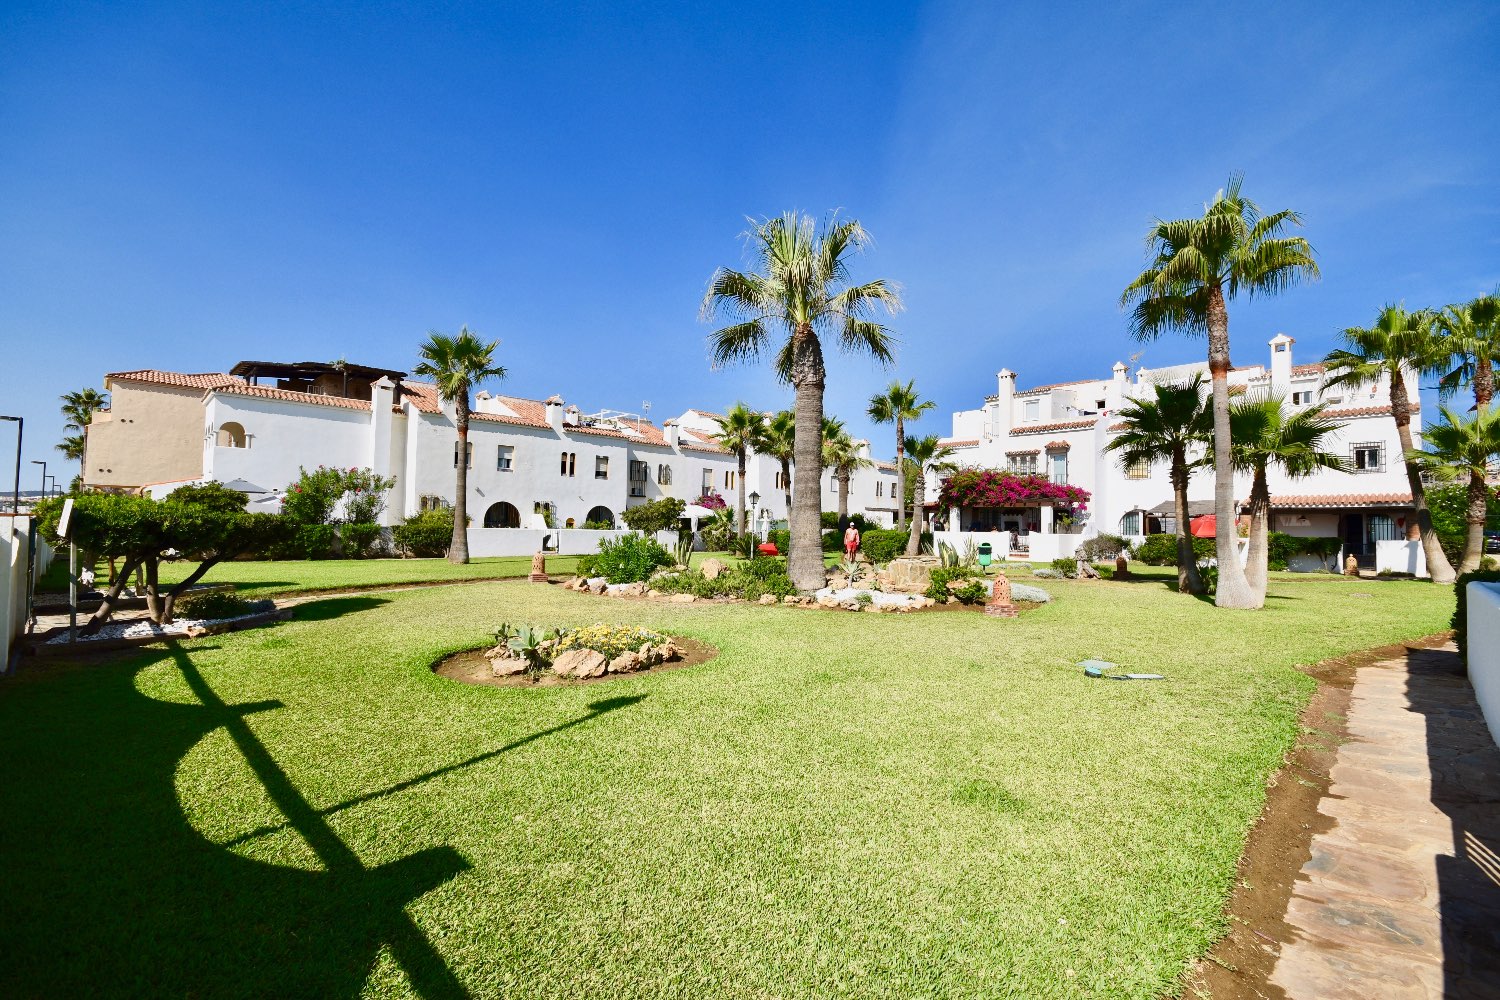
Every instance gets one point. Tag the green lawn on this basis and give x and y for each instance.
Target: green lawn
(936, 805)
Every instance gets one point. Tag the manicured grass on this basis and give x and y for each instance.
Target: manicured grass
(935, 805)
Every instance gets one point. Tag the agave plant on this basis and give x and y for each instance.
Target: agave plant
(526, 644)
(684, 548)
(503, 634)
(851, 569)
(947, 556)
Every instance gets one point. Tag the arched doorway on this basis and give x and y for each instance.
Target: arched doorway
(601, 515)
(502, 515)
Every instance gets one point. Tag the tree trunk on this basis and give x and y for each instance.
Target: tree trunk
(1484, 380)
(914, 540)
(1479, 499)
(842, 475)
(786, 478)
(169, 602)
(107, 606)
(1257, 553)
(901, 475)
(1189, 580)
(1438, 566)
(458, 549)
(153, 604)
(805, 563)
(1234, 589)
(740, 483)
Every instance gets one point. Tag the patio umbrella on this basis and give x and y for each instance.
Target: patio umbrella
(1203, 526)
(244, 486)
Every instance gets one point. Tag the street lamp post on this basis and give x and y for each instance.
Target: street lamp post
(754, 499)
(43, 464)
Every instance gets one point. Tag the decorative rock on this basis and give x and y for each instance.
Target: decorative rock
(910, 574)
(506, 666)
(1086, 570)
(627, 662)
(631, 590)
(653, 592)
(767, 599)
(580, 663)
(1000, 605)
(828, 601)
(791, 599)
(598, 586)
(682, 598)
(669, 651)
(951, 600)
(538, 568)
(712, 568)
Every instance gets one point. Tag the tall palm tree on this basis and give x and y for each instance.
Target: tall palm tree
(1197, 265)
(1264, 434)
(738, 431)
(1167, 428)
(923, 453)
(1472, 330)
(801, 289)
(841, 453)
(1459, 446)
(1398, 341)
(778, 440)
(896, 405)
(79, 409)
(456, 365)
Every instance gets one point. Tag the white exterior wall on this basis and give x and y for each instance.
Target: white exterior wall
(525, 541)
(1483, 647)
(1400, 557)
(281, 437)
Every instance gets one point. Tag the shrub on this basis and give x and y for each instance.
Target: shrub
(718, 531)
(969, 591)
(1161, 549)
(313, 541)
(213, 605)
(630, 558)
(781, 538)
(829, 519)
(883, 544)
(658, 515)
(1102, 547)
(359, 540)
(585, 565)
(1460, 621)
(598, 526)
(426, 534)
(748, 580)
(1067, 567)
(610, 640)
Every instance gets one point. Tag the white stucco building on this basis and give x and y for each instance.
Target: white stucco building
(1061, 431)
(530, 461)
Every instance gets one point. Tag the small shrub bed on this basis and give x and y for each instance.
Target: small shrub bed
(611, 640)
(1101, 547)
(424, 535)
(748, 581)
(629, 558)
(959, 582)
(1067, 567)
(1161, 550)
(216, 604)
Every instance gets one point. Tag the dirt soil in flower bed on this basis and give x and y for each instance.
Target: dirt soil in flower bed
(471, 666)
(1022, 606)
(1239, 966)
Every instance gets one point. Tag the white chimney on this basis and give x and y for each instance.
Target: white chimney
(1114, 395)
(554, 405)
(669, 431)
(1005, 403)
(1281, 364)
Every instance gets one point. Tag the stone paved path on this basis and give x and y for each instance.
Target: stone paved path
(1401, 898)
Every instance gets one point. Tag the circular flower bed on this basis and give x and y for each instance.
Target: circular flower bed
(529, 654)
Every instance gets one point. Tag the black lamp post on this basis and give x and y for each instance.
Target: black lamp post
(43, 464)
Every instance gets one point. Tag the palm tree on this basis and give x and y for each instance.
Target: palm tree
(841, 453)
(896, 405)
(1167, 428)
(456, 365)
(1457, 446)
(79, 408)
(1399, 340)
(923, 453)
(739, 429)
(1473, 331)
(802, 289)
(1264, 434)
(1197, 266)
(778, 440)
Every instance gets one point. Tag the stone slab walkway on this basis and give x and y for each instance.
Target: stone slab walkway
(1401, 897)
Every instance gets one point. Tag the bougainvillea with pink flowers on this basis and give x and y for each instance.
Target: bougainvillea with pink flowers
(712, 501)
(994, 488)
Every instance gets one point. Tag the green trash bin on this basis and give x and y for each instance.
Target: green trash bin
(986, 553)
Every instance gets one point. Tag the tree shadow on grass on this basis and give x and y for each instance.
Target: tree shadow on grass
(108, 889)
(336, 607)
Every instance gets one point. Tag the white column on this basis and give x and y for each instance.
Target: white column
(1047, 519)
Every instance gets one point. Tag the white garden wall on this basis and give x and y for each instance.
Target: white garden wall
(1483, 643)
(14, 557)
(525, 541)
(1400, 557)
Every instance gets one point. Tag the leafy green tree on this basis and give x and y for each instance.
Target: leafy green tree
(1265, 435)
(658, 515)
(456, 365)
(778, 440)
(1472, 331)
(896, 405)
(1197, 266)
(1460, 447)
(1399, 341)
(739, 429)
(801, 290)
(1168, 427)
(841, 453)
(924, 453)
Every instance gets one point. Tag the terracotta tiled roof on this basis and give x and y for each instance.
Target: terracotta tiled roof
(1056, 385)
(1058, 446)
(200, 380)
(959, 442)
(1066, 425)
(1115, 428)
(531, 412)
(266, 392)
(423, 396)
(501, 418)
(1033, 451)
(1364, 411)
(1316, 368)
(886, 466)
(1343, 500)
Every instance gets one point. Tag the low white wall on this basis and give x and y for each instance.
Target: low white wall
(1000, 541)
(525, 541)
(1483, 645)
(14, 558)
(1400, 557)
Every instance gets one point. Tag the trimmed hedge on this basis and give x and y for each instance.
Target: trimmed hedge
(1460, 621)
(1161, 550)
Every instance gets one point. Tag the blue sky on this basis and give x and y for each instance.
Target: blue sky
(184, 187)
